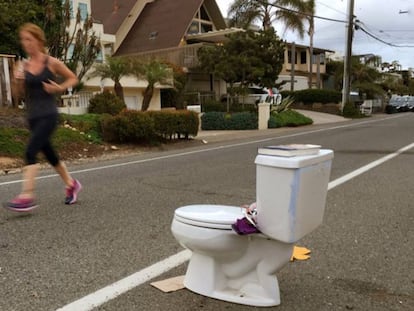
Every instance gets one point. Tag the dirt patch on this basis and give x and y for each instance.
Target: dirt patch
(8, 165)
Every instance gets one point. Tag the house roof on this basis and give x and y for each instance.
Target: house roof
(162, 24)
(111, 13)
(315, 49)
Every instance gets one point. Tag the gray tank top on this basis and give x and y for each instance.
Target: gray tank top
(38, 102)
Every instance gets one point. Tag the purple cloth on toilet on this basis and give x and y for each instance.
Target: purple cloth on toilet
(243, 226)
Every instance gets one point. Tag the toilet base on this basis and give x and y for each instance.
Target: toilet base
(230, 281)
(241, 297)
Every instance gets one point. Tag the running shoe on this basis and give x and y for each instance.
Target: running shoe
(19, 204)
(72, 192)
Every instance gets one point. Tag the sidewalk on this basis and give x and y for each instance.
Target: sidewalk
(317, 117)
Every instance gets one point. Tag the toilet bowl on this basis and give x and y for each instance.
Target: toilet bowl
(225, 265)
(290, 199)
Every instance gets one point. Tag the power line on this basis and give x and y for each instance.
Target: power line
(359, 27)
(356, 24)
(306, 14)
(329, 7)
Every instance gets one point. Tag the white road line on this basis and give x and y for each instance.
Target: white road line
(367, 167)
(120, 287)
(197, 151)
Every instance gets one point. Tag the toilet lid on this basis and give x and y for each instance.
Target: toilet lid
(209, 216)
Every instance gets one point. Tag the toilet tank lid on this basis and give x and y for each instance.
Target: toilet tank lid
(294, 162)
(210, 213)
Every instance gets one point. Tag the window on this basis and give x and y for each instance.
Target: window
(83, 8)
(290, 57)
(204, 14)
(206, 27)
(321, 58)
(201, 22)
(193, 28)
(303, 57)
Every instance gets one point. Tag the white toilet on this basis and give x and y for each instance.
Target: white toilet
(290, 195)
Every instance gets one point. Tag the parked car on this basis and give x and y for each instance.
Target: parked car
(256, 94)
(397, 104)
(410, 104)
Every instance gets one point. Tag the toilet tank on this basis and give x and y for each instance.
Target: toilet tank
(291, 194)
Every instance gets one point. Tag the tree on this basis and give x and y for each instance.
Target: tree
(78, 49)
(152, 71)
(114, 68)
(13, 14)
(309, 10)
(242, 13)
(247, 57)
(363, 78)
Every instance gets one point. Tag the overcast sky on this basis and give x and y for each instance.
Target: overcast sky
(390, 20)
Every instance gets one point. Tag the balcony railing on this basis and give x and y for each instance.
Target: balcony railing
(185, 56)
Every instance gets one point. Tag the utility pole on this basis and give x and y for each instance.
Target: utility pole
(347, 61)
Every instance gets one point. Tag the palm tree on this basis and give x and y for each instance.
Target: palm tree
(309, 10)
(243, 13)
(114, 68)
(153, 72)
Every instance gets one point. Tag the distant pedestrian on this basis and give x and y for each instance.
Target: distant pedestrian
(37, 76)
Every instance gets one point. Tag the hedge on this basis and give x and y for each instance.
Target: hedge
(227, 121)
(310, 96)
(149, 126)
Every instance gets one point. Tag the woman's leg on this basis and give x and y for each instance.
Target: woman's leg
(73, 186)
(64, 174)
(29, 175)
(41, 130)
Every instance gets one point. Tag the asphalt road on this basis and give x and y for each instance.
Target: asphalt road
(362, 255)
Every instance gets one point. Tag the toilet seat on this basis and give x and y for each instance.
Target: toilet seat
(209, 216)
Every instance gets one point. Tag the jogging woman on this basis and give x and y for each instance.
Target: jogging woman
(38, 78)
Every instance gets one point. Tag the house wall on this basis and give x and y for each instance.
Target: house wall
(301, 68)
(300, 82)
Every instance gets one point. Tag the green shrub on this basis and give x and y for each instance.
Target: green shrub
(171, 123)
(350, 111)
(288, 118)
(213, 121)
(106, 102)
(227, 121)
(187, 123)
(149, 126)
(283, 106)
(129, 126)
(243, 121)
(310, 96)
